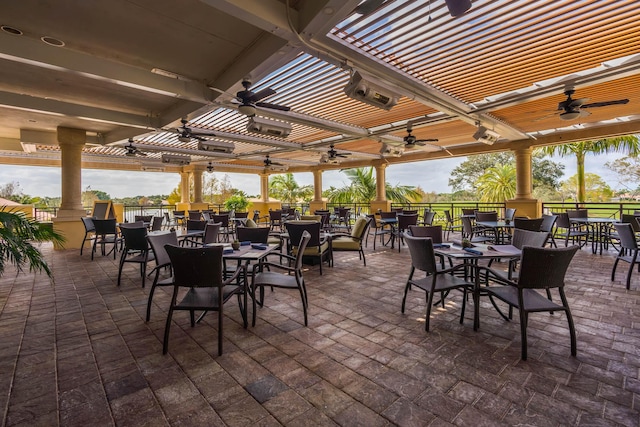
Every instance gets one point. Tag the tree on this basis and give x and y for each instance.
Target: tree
(174, 197)
(628, 143)
(596, 189)
(497, 184)
(362, 189)
(285, 188)
(544, 171)
(628, 171)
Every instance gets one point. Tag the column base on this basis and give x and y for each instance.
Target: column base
(68, 224)
(317, 206)
(384, 206)
(531, 208)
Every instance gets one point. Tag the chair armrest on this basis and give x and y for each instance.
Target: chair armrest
(241, 269)
(489, 274)
(261, 265)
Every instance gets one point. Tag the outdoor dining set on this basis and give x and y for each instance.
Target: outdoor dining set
(208, 258)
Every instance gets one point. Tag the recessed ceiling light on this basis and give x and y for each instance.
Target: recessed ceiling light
(52, 41)
(11, 30)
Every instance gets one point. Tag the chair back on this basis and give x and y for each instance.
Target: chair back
(193, 225)
(448, 217)
(196, 267)
(302, 245)
(241, 215)
(626, 235)
(409, 212)
(206, 216)
(326, 216)
(296, 229)
(211, 230)
(143, 218)
(434, 232)
(578, 213)
(178, 213)
(156, 223)
(487, 216)
(195, 215)
(311, 218)
(548, 222)
(467, 227)
(397, 210)
(137, 224)
(388, 215)
(275, 215)
(542, 268)
(88, 224)
(361, 226)
(105, 226)
(531, 224)
(253, 235)
(427, 218)
(157, 242)
(374, 222)
(562, 220)
(470, 211)
(631, 219)
(135, 239)
(422, 255)
(223, 219)
(509, 214)
(404, 221)
(522, 238)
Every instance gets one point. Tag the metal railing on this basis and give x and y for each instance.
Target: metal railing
(356, 208)
(596, 209)
(454, 208)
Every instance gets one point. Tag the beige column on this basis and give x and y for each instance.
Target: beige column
(67, 222)
(184, 187)
(381, 179)
(71, 142)
(523, 173)
(197, 184)
(317, 185)
(264, 187)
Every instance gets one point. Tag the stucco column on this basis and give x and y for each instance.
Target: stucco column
(184, 187)
(264, 187)
(381, 179)
(317, 185)
(71, 142)
(523, 173)
(197, 185)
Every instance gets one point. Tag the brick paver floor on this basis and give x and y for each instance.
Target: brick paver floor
(79, 353)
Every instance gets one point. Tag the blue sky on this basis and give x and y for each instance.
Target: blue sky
(430, 175)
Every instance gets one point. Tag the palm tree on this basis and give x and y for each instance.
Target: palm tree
(362, 189)
(16, 234)
(497, 184)
(628, 143)
(285, 188)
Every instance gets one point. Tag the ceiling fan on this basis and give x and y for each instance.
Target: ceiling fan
(132, 150)
(572, 108)
(271, 165)
(249, 99)
(410, 141)
(185, 133)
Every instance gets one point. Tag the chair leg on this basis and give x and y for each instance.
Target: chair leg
(253, 299)
(220, 328)
(365, 260)
(523, 332)
(122, 258)
(615, 265)
(165, 344)
(572, 330)
(464, 304)
(153, 288)
(304, 305)
(429, 302)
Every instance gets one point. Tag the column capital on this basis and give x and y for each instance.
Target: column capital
(71, 136)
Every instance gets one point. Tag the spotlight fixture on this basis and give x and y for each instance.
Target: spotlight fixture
(486, 136)
(458, 7)
(209, 167)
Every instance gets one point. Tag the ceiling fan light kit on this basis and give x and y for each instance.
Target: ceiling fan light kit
(268, 127)
(486, 136)
(570, 115)
(371, 91)
(247, 109)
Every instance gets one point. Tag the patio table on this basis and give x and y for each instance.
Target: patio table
(501, 229)
(596, 231)
(470, 259)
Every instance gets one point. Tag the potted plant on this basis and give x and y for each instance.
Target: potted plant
(17, 232)
(237, 203)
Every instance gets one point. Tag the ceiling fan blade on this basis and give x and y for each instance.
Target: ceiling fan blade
(575, 103)
(427, 140)
(257, 96)
(605, 103)
(272, 106)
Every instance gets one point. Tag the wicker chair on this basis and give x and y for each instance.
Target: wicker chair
(136, 250)
(157, 243)
(628, 250)
(541, 268)
(353, 241)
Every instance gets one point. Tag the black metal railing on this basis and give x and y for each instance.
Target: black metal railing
(596, 209)
(454, 208)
